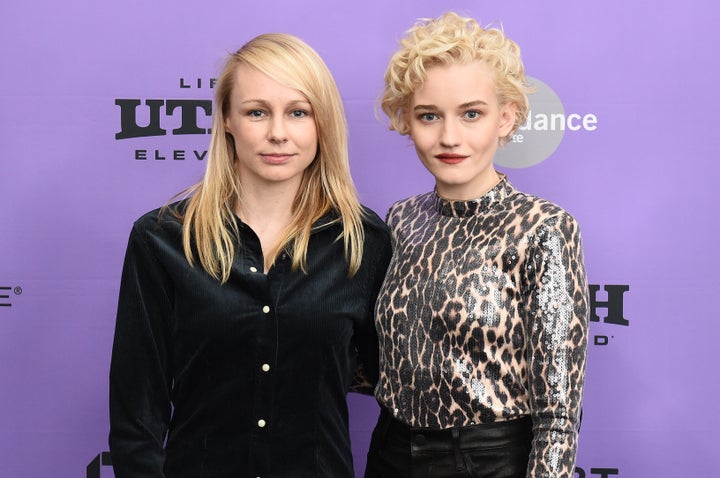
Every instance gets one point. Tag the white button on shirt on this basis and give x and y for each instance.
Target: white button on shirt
(265, 367)
(249, 334)
(253, 269)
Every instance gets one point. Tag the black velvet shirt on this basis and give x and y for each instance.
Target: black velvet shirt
(242, 379)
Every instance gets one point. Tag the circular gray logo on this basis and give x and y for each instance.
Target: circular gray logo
(541, 134)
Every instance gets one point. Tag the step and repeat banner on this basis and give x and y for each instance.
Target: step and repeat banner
(106, 110)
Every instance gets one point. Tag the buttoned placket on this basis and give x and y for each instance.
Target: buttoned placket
(251, 268)
(269, 287)
(264, 353)
(265, 359)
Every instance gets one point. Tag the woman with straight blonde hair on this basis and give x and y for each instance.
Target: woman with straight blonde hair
(245, 309)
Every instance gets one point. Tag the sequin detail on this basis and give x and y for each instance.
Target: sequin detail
(483, 317)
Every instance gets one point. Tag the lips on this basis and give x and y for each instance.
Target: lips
(449, 158)
(276, 158)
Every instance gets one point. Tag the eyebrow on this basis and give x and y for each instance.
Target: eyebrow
(265, 102)
(469, 104)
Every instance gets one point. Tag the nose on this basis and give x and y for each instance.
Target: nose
(450, 134)
(277, 132)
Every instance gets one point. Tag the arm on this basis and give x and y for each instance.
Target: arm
(556, 328)
(376, 256)
(139, 370)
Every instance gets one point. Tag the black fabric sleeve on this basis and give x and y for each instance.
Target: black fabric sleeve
(139, 372)
(376, 257)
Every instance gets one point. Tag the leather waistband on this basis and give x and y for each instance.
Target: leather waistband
(482, 436)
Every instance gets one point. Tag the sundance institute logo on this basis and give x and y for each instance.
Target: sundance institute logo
(544, 129)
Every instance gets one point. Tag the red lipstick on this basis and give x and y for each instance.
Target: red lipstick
(449, 158)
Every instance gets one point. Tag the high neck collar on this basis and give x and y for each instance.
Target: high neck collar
(471, 207)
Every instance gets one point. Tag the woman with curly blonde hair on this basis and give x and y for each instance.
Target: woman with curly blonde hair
(482, 317)
(245, 309)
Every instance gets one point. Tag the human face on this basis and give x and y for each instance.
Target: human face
(273, 128)
(456, 124)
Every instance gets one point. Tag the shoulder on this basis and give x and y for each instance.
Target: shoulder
(536, 209)
(160, 221)
(411, 206)
(542, 218)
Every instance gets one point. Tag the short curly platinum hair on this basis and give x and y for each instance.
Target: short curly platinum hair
(449, 39)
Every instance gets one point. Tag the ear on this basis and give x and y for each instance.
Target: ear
(508, 114)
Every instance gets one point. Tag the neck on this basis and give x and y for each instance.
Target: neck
(265, 205)
(468, 192)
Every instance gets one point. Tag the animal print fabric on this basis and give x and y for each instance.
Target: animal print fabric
(483, 317)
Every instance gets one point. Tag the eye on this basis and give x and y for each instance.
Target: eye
(256, 113)
(427, 117)
(473, 114)
(298, 113)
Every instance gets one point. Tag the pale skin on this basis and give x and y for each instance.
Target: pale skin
(275, 141)
(456, 123)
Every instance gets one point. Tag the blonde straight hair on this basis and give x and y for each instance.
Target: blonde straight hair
(209, 229)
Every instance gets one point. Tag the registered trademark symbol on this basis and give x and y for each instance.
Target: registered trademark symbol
(17, 290)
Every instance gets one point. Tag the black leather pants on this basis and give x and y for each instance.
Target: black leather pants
(497, 450)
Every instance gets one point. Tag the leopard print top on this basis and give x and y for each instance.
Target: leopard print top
(483, 317)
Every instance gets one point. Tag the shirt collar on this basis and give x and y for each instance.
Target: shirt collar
(471, 207)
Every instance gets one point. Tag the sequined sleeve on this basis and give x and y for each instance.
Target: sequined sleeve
(556, 324)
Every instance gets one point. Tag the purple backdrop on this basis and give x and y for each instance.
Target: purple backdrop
(639, 183)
